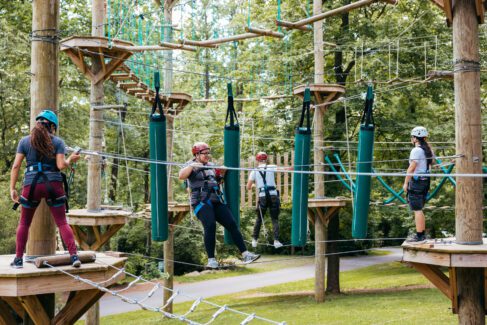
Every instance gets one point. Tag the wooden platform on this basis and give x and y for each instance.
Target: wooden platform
(84, 50)
(19, 288)
(447, 7)
(177, 211)
(427, 258)
(112, 219)
(322, 93)
(316, 208)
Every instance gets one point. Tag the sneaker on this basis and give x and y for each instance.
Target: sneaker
(250, 257)
(254, 242)
(277, 244)
(75, 261)
(416, 239)
(18, 263)
(212, 264)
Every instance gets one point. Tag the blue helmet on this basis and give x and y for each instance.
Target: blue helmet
(50, 116)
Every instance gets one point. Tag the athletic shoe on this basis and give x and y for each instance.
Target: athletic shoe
(212, 264)
(416, 239)
(254, 242)
(18, 263)
(277, 244)
(250, 257)
(75, 261)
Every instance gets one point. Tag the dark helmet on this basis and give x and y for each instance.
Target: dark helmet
(199, 147)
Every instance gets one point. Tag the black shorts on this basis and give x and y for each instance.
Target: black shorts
(417, 193)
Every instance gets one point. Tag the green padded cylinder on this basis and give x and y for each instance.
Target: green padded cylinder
(231, 158)
(231, 143)
(364, 165)
(158, 175)
(302, 143)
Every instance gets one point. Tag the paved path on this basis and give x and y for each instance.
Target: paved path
(112, 305)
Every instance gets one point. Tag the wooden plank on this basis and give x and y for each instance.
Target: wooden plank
(415, 256)
(249, 193)
(285, 196)
(77, 306)
(469, 260)
(36, 311)
(435, 276)
(453, 289)
(6, 317)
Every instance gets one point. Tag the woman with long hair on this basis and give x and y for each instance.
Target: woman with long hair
(45, 156)
(417, 187)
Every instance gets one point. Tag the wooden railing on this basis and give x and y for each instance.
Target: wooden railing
(283, 180)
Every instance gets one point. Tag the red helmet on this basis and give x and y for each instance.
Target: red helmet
(261, 156)
(199, 147)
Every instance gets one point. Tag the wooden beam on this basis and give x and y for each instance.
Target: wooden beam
(435, 276)
(77, 306)
(36, 311)
(6, 317)
(105, 237)
(454, 289)
(479, 6)
(264, 32)
(448, 11)
(15, 304)
(438, 3)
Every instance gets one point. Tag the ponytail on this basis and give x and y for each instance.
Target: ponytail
(427, 151)
(41, 141)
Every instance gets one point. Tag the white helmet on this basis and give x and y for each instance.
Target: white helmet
(419, 132)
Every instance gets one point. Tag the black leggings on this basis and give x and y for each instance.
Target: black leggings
(274, 208)
(209, 215)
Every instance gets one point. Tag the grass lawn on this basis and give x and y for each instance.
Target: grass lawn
(380, 294)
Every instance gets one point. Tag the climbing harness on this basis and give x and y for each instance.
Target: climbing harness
(207, 190)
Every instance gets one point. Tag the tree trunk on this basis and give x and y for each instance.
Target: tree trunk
(115, 167)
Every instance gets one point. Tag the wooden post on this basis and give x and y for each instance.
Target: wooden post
(320, 247)
(97, 95)
(44, 95)
(168, 66)
(468, 130)
(169, 266)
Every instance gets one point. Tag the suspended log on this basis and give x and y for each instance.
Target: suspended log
(330, 13)
(196, 43)
(276, 97)
(290, 25)
(264, 32)
(440, 74)
(178, 46)
(230, 39)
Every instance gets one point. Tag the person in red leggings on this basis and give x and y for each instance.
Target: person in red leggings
(45, 156)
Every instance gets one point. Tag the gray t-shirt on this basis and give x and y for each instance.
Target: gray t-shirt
(196, 181)
(31, 157)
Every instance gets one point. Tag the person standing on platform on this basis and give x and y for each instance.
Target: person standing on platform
(208, 203)
(45, 156)
(265, 181)
(417, 187)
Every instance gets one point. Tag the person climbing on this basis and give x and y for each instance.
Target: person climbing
(45, 156)
(208, 203)
(417, 187)
(265, 182)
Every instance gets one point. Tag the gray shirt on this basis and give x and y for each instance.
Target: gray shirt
(199, 179)
(32, 157)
